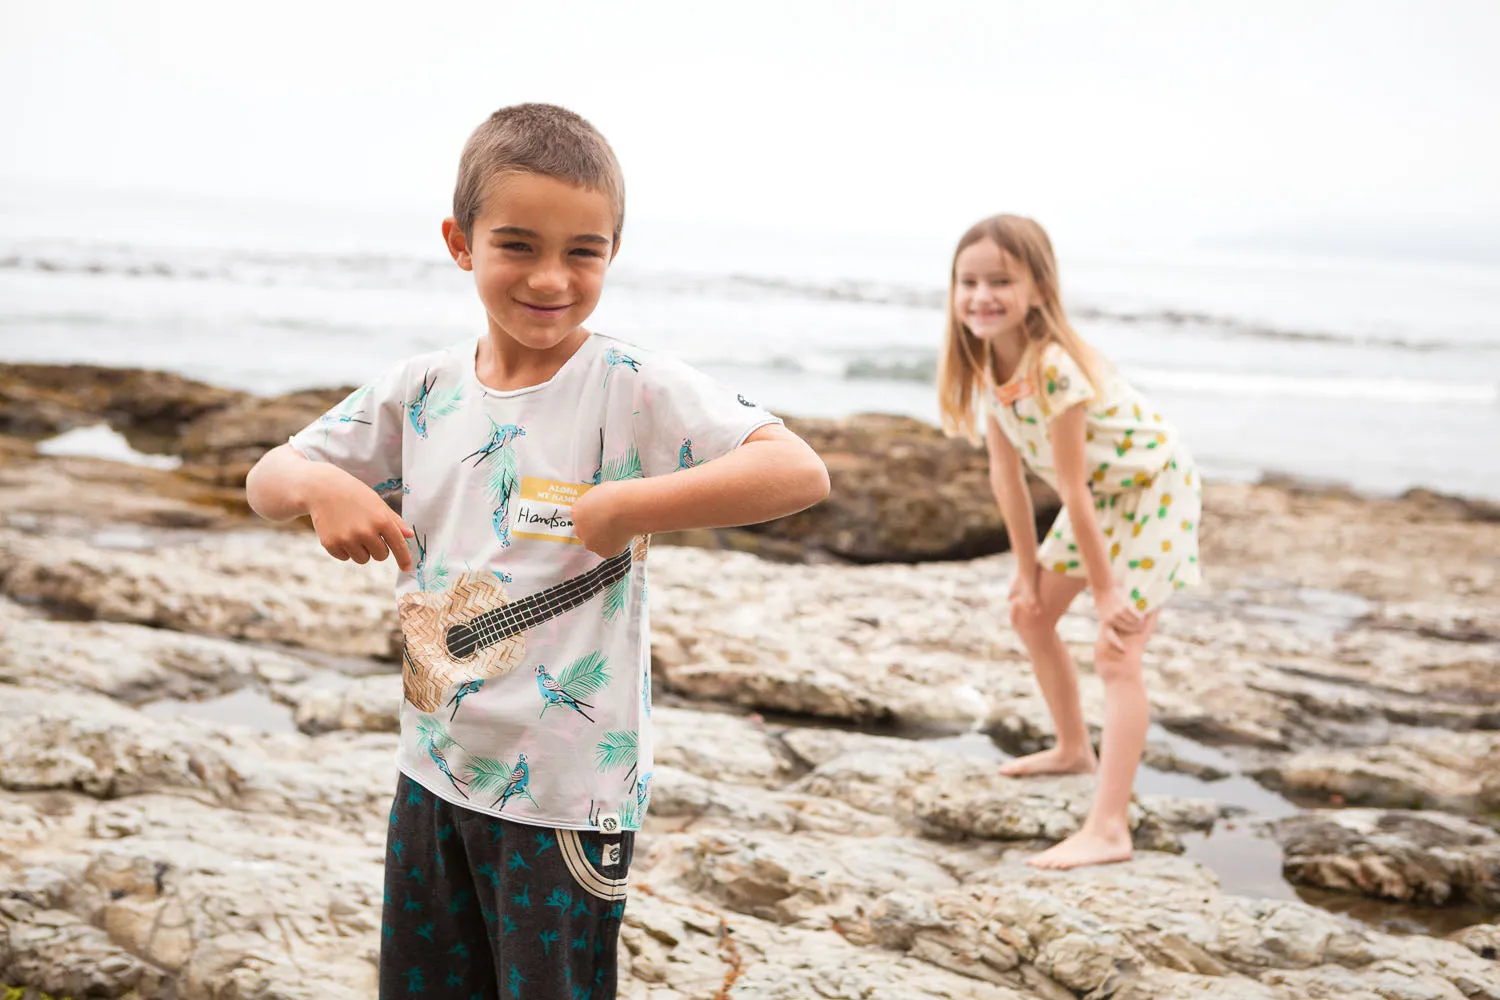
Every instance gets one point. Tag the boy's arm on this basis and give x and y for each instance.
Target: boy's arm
(772, 474)
(351, 520)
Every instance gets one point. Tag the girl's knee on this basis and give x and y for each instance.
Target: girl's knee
(1033, 623)
(1114, 667)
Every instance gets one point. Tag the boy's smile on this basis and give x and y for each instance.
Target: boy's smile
(539, 253)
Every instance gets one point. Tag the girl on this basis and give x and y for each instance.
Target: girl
(1131, 502)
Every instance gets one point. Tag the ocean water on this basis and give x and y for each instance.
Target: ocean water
(1379, 374)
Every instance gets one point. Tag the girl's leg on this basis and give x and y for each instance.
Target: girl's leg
(1058, 679)
(1105, 834)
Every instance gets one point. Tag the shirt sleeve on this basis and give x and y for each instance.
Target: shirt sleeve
(684, 418)
(362, 434)
(1064, 385)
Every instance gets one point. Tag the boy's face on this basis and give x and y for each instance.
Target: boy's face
(539, 253)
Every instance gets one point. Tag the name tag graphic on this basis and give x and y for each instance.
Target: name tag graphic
(546, 510)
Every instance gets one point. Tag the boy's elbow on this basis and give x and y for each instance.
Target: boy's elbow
(256, 490)
(812, 481)
(265, 485)
(818, 483)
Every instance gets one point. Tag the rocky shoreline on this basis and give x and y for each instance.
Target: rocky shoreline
(197, 738)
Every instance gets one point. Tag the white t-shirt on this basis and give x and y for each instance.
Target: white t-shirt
(527, 672)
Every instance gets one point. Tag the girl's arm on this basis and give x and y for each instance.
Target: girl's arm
(1067, 432)
(1008, 482)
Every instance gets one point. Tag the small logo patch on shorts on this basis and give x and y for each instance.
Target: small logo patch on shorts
(611, 855)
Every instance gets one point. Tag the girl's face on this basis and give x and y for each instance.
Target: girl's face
(992, 291)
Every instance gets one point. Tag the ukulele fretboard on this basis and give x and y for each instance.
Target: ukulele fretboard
(496, 626)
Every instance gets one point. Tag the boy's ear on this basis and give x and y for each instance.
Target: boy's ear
(458, 244)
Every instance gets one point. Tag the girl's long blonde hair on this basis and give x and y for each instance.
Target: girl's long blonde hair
(968, 363)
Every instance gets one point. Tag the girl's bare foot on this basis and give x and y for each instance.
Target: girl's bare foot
(1051, 762)
(1086, 847)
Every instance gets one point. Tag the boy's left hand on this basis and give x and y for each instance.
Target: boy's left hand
(597, 521)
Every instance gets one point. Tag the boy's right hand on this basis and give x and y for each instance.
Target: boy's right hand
(353, 522)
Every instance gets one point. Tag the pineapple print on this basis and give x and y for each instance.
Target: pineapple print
(1140, 602)
(1126, 443)
(1166, 501)
(1114, 551)
(1145, 563)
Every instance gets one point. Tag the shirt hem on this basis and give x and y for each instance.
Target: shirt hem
(542, 823)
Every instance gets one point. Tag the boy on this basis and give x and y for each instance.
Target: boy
(523, 464)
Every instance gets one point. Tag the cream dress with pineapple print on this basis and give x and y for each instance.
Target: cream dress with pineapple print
(1147, 495)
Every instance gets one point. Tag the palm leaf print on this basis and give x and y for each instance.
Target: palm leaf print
(435, 576)
(448, 401)
(626, 466)
(618, 749)
(431, 735)
(614, 598)
(487, 774)
(585, 675)
(350, 411)
(630, 816)
(353, 402)
(501, 480)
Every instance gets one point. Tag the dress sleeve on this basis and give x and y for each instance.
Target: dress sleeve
(1063, 383)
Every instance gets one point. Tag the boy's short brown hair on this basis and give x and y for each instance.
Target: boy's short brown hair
(536, 139)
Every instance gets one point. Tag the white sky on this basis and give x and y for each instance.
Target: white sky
(1125, 121)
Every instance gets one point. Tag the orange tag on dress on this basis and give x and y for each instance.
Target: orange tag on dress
(1017, 389)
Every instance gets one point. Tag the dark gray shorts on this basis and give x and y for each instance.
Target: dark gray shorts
(478, 908)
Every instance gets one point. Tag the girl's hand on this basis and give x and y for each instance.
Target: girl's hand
(1024, 604)
(1117, 617)
(596, 520)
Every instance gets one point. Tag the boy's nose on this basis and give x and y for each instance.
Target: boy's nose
(548, 277)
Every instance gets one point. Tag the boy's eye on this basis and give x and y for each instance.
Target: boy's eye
(586, 252)
(517, 247)
(967, 283)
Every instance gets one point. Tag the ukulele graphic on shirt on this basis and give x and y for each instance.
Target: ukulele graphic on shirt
(472, 629)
